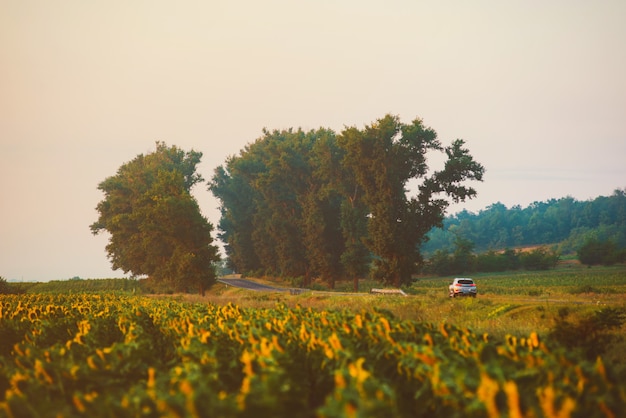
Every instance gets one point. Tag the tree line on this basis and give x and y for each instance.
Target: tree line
(321, 204)
(463, 260)
(294, 204)
(336, 205)
(566, 223)
(595, 230)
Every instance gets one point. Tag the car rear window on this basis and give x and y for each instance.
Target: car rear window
(465, 281)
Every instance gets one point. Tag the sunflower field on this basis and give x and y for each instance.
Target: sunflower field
(114, 355)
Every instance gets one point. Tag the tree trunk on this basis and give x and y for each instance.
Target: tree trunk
(307, 279)
(396, 279)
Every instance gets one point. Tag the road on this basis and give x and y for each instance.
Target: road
(250, 285)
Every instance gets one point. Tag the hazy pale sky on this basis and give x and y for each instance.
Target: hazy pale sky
(536, 88)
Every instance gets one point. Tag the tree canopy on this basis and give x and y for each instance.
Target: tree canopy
(594, 252)
(321, 204)
(155, 225)
(566, 222)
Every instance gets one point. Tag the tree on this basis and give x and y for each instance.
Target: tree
(355, 258)
(565, 221)
(155, 225)
(279, 214)
(440, 263)
(594, 252)
(320, 202)
(463, 258)
(540, 258)
(384, 157)
(316, 204)
(5, 289)
(238, 209)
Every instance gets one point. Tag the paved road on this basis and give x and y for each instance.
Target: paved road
(248, 284)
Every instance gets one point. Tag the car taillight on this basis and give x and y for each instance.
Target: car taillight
(473, 285)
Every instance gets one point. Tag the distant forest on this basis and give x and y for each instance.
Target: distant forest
(566, 224)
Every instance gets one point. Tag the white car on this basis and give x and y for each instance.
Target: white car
(462, 286)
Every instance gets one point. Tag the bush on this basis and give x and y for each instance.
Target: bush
(539, 259)
(443, 263)
(493, 261)
(592, 334)
(595, 252)
(7, 288)
(4, 286)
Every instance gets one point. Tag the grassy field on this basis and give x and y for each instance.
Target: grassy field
(512, 303)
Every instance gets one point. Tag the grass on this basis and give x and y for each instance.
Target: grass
(497, 315)
(512, 303)
(508, 303)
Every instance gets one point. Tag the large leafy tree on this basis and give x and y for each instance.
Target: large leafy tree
(281, 185)
(384, 157)
(155, 225)
(237, 213)
(321, 203)
(277, 213)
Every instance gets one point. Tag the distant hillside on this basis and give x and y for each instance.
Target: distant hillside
(566, 223)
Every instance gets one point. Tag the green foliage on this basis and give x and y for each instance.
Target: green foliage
(565, 221)
(320, 205)
(589, 335)
(540, 258)
(277, 208)
(7, 288)
(384, 157)
(4, 286)
(104, 355)
(154, 222)
(493, 261)
(440, 263)
(355, 258)
(463, 260)
(86, 286)
(594, 252)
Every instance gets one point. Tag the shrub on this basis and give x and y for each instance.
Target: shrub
(4, 286)
(592, 334)
(595, 252)
(539, 259)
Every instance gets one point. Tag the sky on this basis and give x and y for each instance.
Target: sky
(536, 89)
